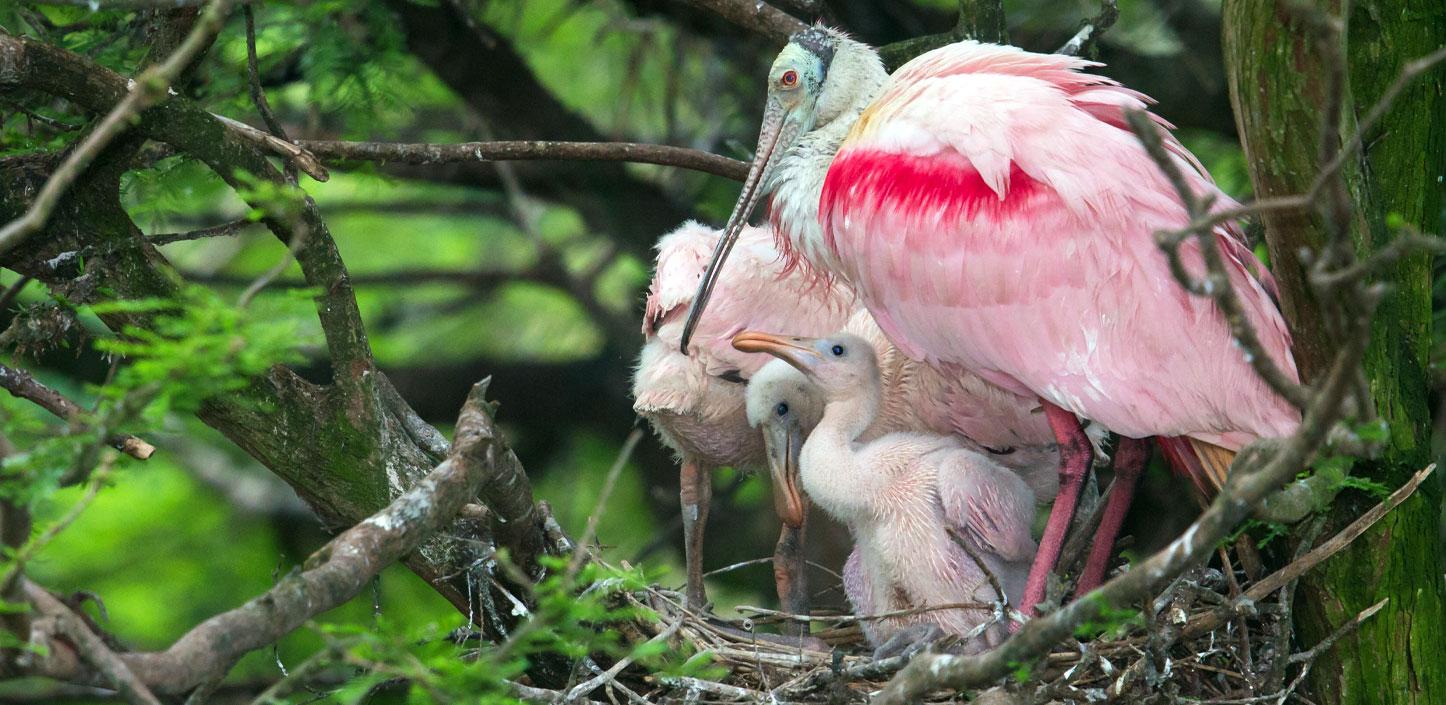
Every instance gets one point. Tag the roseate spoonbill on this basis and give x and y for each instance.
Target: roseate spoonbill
(785, 406)
(900, 494)
(695, 401)
(993, 211)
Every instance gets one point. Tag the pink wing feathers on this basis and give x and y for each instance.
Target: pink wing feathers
(992, 210)
(987, 504)
(754, 292)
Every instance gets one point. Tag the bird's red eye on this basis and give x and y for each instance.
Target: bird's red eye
(788, 79)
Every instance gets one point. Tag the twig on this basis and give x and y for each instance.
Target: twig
(1089, 35)
(258, 94)
(293, 153)
(852, 618)
(63, 622)
(1217, 284)
(1279, 579)
(23, 385)
(1340, 632)
(298, 241)
(497, 151)
(593, 683)
(755, 16)
(152, 87)
(26, 552)
(222, 230)
(626, 452)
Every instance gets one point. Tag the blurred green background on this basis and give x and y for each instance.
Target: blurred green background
(457, 267)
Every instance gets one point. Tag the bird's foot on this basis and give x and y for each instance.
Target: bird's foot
(909, 641)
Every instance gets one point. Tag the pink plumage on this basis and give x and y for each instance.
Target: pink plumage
(993, 211)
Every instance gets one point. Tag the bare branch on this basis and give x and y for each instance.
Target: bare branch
(58, 620)
(983, 20)
(24, 385)
(152, 87)
(755, 16)
(431, 153)
(1217, 283)
(1084, 41)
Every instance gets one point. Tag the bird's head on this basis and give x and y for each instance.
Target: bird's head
(785, 407)
(843, 366)
(819, 77)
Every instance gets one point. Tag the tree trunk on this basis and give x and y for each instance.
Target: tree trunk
(1278, 84)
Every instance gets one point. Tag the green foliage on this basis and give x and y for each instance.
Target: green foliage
(1110, 620)
(576, 613)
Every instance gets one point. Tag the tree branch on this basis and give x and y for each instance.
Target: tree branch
(24, 385)
(1084, 41)
(56, 619)
(433, 153)
(332, 575)
(755, 16)
(153, 87)
(192, 130)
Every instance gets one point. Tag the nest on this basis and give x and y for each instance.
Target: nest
(1212, 636)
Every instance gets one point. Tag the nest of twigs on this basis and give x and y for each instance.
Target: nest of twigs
(1212, 636)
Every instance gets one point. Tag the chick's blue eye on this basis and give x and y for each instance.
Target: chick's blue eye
(782, 408)
(838, 351)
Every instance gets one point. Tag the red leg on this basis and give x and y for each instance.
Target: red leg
(1130, 460)
(1075, 454)
(789, 575)
(695, 493)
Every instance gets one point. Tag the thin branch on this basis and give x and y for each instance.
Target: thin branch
(258, 94)
(1217, 284)
(151, 88)
(755, 16)
(1088, 36)
(24, 385)
(528, 150)
(293, 154)
(59, 620)
(222, 230)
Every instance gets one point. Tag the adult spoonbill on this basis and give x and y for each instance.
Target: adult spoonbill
(695, 401)
(993, 211)
(900, 494)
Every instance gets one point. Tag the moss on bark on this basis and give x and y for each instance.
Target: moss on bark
(1278, 84)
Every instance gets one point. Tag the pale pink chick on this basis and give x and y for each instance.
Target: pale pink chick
(900, 494)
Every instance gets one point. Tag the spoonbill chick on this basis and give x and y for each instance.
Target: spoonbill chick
(901, 494)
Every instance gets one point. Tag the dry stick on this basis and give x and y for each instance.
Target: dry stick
(580, 552)
(23, 385)
(612, 673)
(152, 87)
(222, 230)
(852, 618)
(1093, 29)
(64, 622)
(528, 150)
(1409, 73)
(754, 16)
